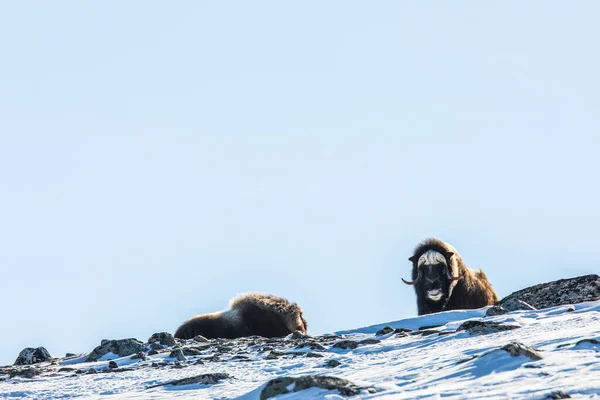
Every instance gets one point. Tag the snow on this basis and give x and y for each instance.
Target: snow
(453, 365)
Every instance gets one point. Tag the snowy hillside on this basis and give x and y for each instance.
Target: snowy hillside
(457, 354)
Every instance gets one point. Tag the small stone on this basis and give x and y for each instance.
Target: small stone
(314, 355)
(112, 364)
(402, 330)
(204, 379)
(275, 354)
(70, 355)
(384, 331)
(346, 344)
(92, 371)
(369, 341)
(152, 352)
(178, 354)
(200, 339)
(519, 349)
(558, 395)
(311, 345)
(298, 335)
(485, 327)
(139, 356)
(332, 363)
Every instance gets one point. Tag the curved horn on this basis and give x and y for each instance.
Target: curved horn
(413, 283)
(454, 278)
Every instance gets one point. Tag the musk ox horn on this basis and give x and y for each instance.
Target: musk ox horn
(455, 278)
(413, 283)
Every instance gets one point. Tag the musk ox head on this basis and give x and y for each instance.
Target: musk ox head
(434, 276)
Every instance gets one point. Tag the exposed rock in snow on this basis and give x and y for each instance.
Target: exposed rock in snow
(485, 327)
(519, 349)
(510, 304)
(204, 379)
(30, 356)
(121, 347)
(557, 293)
(163, 338)
(279, 386)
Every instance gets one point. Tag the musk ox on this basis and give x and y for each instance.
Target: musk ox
(443, 282)
(249, 314)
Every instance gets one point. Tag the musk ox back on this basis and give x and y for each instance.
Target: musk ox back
(443, 282)
(249, 314)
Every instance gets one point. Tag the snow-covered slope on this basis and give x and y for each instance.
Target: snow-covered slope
(436, 361)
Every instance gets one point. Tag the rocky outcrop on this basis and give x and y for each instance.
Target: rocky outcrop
(32, 355)
(485, 327)
(204, 379)
(121, 347)
(556, 293)
(284, 385)
(519, 349)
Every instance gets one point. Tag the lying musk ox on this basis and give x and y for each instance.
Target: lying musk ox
(249, 314)
(443, 282)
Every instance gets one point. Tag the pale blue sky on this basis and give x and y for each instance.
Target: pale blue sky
(158, 158)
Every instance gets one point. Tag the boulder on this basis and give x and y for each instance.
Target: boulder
(163, 338)
(32, 355)
(557, 293)
(280, 386)
(121, 347)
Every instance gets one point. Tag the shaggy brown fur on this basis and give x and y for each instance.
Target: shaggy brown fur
(249, 314)
(461, 287)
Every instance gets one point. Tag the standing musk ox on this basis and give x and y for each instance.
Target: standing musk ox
(443, 282)
(249, 314)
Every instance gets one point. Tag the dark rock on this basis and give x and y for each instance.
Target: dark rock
(139, 356)
(152, 352)
(204, 379)
(346, 344)
(279, 386)
(200, 339)
(314, 355)
(92, 371)
(519, 349)
(112, 364)
(155, 346)
(163, 338)
(402, 330)
(298, 335)
(485, 327)
(192, 351)
(121, 347)
(178, 354)
(275, 354)
(70, 355)
(508, 306)
(428, 327)
(311, 345)
(332, 363)
(27, 372)
(67, 369)
(369, 341)
(30, 356)
(558, 395)
(384, 331)
(558, 293)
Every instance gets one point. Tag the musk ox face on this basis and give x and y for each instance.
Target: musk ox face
(433, 276)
